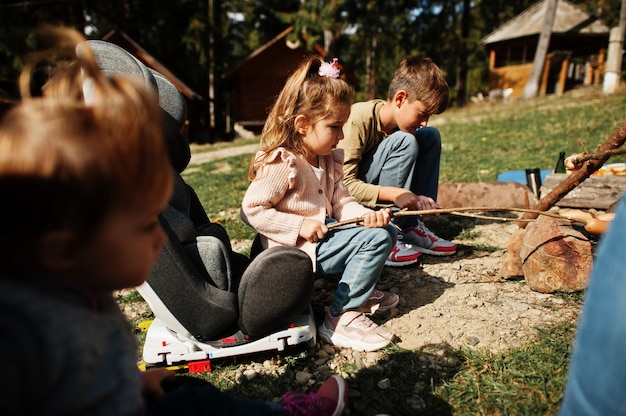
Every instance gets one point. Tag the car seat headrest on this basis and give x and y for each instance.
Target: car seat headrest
(174, 114)
(114, 60)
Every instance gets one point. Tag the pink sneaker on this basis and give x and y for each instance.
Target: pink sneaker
(380, 301)
(422, 239)
(402, 255)
(352, 329)
(328, 400)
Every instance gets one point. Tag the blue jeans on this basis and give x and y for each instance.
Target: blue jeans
(405, 160)
(597, 376)
(359, 253)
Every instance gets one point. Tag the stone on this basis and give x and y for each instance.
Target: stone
(249, 374)
(302, 377)
(384, 384)
(512, 263)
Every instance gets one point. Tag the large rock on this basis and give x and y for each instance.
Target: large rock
(555, 257)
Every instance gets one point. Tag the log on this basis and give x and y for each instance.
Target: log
(597, 191)
(547, 201)
(555, 257)
(486, 194)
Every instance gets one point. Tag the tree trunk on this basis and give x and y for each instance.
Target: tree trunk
(371, 68)
(614, 56)
(217, 117)
(461, 81)
(532, 85)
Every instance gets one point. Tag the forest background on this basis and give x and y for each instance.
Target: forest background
(200, 41)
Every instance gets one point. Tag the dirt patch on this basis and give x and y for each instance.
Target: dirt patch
(461, 300)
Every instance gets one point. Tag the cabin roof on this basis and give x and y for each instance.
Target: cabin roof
(569, 19)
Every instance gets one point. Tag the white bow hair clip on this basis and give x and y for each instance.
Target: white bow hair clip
(330, 69)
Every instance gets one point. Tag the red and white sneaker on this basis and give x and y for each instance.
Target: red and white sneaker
(423, 240)
(402, 255)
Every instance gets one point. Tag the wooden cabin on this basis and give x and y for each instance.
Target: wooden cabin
(576, 52)
(256, 81)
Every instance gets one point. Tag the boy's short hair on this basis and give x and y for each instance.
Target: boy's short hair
(422, 79)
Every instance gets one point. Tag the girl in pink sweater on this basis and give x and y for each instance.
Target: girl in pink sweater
(297, 189)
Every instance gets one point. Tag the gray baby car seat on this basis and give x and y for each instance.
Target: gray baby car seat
(208, 300)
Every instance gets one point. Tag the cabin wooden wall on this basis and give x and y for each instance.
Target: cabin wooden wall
(259, 80)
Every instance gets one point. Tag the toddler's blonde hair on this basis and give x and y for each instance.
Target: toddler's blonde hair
(65, 163)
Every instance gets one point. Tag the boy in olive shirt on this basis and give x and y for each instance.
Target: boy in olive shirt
(392, 157)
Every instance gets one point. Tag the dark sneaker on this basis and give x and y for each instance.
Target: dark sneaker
(352, 329)
(328, 400)
(380, 301)
(423, 240)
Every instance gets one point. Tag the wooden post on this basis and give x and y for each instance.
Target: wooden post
(588, 73)
(544, 77)
(599, 68)
(562, 76)
(614, 58)
(532, 85)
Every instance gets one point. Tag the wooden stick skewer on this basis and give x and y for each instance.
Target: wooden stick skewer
(457, 211)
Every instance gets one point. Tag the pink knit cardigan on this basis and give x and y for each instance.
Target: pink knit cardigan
(286, 191)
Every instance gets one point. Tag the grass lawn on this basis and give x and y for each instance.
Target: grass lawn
(479, 142)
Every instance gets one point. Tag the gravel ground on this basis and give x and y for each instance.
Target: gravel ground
(461, 300)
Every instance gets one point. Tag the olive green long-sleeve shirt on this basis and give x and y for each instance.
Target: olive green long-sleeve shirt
(362, 133)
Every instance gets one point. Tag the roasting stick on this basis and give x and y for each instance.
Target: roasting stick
(461, 212)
